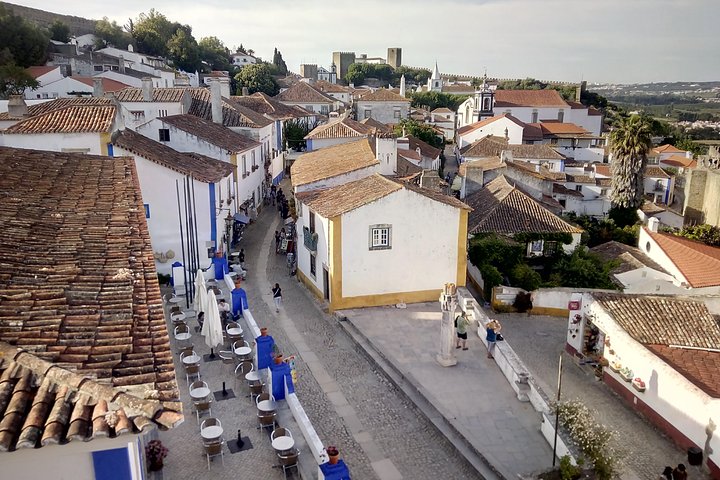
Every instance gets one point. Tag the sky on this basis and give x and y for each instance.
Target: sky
(601, 41)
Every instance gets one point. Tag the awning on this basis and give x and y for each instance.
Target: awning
(239, 217)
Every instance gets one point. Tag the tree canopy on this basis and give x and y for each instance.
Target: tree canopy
(14, 80)
(629, 144)
(279, 63)
(110, 34)
(417, 76)
(358, 72)
(59, 31)
(419, 130)
(257, 78)
(214, 53)
(433, 100)
(183, 50)
(21, 42)
(708, 234)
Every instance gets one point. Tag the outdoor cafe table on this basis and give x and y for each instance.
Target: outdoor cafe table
(283, 444)
(234, 331)
(199, 393)
(182, 336)
(175, 300)
(212, 432)
(266, 406)
(177, 317)
(253, 376)
(243, 351)
(191, 359)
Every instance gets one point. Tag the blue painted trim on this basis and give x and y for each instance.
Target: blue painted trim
(667, 192)
(308, 145)
(278, 134)
(213, 218)
(279, 178)
(110, 150)
(111, 464)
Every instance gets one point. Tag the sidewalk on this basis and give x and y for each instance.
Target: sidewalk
(473, 396)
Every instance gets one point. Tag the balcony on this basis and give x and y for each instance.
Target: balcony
(310, 239)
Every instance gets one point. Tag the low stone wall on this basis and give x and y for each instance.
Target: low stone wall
(546, 301)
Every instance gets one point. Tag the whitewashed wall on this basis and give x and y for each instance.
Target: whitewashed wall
(150, 110)
(383, 112)
(321, 228)
(580, 117)
(318, 143)
(339, 179)
(55, 142)
(431, 253)
(497, 129)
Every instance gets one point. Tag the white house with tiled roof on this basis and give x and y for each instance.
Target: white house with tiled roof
(304, 95)
(160, 171)
(659, 185)
(359, 237)
(501, 126)
(335, 132)
(663, 356)
(188, 133)
(382, 105)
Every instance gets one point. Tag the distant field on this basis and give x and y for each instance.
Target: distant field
(672, 111)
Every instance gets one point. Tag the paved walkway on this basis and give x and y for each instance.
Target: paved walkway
(473, 396)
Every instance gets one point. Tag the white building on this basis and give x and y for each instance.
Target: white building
(659, 184)
(663, 354)
(242, 59)
(187, 133)
(502, 126)
(359, 238)
(304, 95)
(75, 86)
(335, 132)
(161, 172)
(383, 105)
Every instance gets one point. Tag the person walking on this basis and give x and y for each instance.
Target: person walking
(461, 324)
(277, 297)
(241, 258)
(492, 329)
(273, 193)
(277, 241)
(680, 473)
(667, 474)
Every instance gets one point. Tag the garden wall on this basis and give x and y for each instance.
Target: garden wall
(546, 301)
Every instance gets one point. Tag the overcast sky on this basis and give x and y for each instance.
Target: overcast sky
(619, 41)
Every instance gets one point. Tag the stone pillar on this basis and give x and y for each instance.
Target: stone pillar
(448, 304)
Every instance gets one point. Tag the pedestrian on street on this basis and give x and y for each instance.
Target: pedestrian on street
(461, 324)
(277, 241)
(241, 258)
(277, 297)
(224, 308)
(667, 474)
(491, 330)
(680, 473)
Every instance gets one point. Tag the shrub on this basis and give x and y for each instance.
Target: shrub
(568, 471)
(523, 302)
(525, 277)
(491, 278)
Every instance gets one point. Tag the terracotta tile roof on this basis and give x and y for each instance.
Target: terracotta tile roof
(383, 95)
(561, 189)
(303, 92)
(667, 148)
(575, 105)
(458, 89)
(266, 105)
(650, 208)
(235, 114)
(344, 198)
(40, 70)
(662, 320)
(630, 257)
(580, 179)
(57, 104)
(442, 110)
(679, 161)
(602, 169)
(407, 168)
(409, 154)
(531, 169)
(431, 194)
(108, 84)
(168, 95)
(332, 161)
(699, 263)
(328, 87)
(557, 128)
(376, 125)
(425, 148)
(532, 132)
(474, 126)
(501, 208)
(340, 128)
(529, 98)
(603, 182)
(73, 119)
(488, 163)
(78, 288)
(203, 168)
(653, 171)
(701, 367)
(594, 112)
(211, 132)
(491, 146)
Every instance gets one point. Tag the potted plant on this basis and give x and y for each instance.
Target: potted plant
(638, 384)
(277, 354)
(155, 452)
(333, 454)
(626, 374)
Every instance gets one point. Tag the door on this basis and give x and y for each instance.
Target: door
(326, 284)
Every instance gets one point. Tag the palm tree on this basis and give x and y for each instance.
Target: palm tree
(629, 144)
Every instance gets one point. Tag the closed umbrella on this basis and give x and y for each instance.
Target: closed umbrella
(212, 329)
(199, 287)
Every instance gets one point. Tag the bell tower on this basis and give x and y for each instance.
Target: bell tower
(484, 100)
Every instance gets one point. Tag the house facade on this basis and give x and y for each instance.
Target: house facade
(304, 95)
(382, 105)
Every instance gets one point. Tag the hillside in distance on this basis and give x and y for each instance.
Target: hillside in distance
(43, 18)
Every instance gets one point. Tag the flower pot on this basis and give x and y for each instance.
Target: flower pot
(278, 359)
(263, 332)
(155, 465)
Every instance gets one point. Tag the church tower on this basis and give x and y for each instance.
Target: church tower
(435, 81)
(484, 100)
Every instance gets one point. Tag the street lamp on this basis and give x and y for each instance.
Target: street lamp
(228, 232)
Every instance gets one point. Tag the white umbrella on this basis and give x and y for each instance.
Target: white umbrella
(212, 329)
(199, 287)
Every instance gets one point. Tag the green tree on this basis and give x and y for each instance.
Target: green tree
(14, 80)
(416, 76)
(629, 145)
(152, 32)
(23, 42)
(279, 62)
(183, 51)
(214, 53)
(110, 34)
(59, 31)
(525, 277)
(583, 269)
(433, 100)
(705, 233)
(419, 130)
(358, 72)
(257, 78)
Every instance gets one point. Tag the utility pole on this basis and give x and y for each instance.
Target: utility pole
(557, 408)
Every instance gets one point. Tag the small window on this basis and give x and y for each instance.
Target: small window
(380, 237)
(164, 134)
(396, 114)
(603, 192)
(553, 141)
(313, 264)
(244, 166)
(138, 115)
(252, 157)
(312, 222)
(368, 113)
(98, 68)
(309, 108)
(486, 104)
(536, 246)
(578, 188)
(324, 109)
(562, 202)
(162, 113)
(551, 248)
(561, 115)
(147, 210)
(534, 116)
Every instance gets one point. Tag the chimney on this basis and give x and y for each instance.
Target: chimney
(473, 181)
(429, 179)
(224, 87)
(98, 90)
(17, 108)
(147, 89)
(245, 91)
(186, 101)
(216, 101)
(121, 64)
(653, 224)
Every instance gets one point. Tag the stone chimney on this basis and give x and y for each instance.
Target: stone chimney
(245, 91)
(653, 224)
(430, 179)
(224, 86)
(147, 89)
(98, 90)
(186, 101)
(402, 85)
(216, 101)
(17, 108)
(473, 180)
(506, 155)
(121, 64)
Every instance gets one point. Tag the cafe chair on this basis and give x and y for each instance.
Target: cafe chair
(202, 407)
(256, 389)
(214, 449)
(210, 422)
(186, 350)
(192, 371)
(242, 369)
(264, 396)
(266, 420)
(227, 357)
(280, 432)
(181, 329)
(288, 461)
(197, 384)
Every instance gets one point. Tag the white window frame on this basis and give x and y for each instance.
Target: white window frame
(380, 237)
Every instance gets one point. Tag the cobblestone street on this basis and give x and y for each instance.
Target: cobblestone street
(378, 430)
(538, 340)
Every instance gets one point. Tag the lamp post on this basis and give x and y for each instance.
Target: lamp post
(228, 232)
(448, 304)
